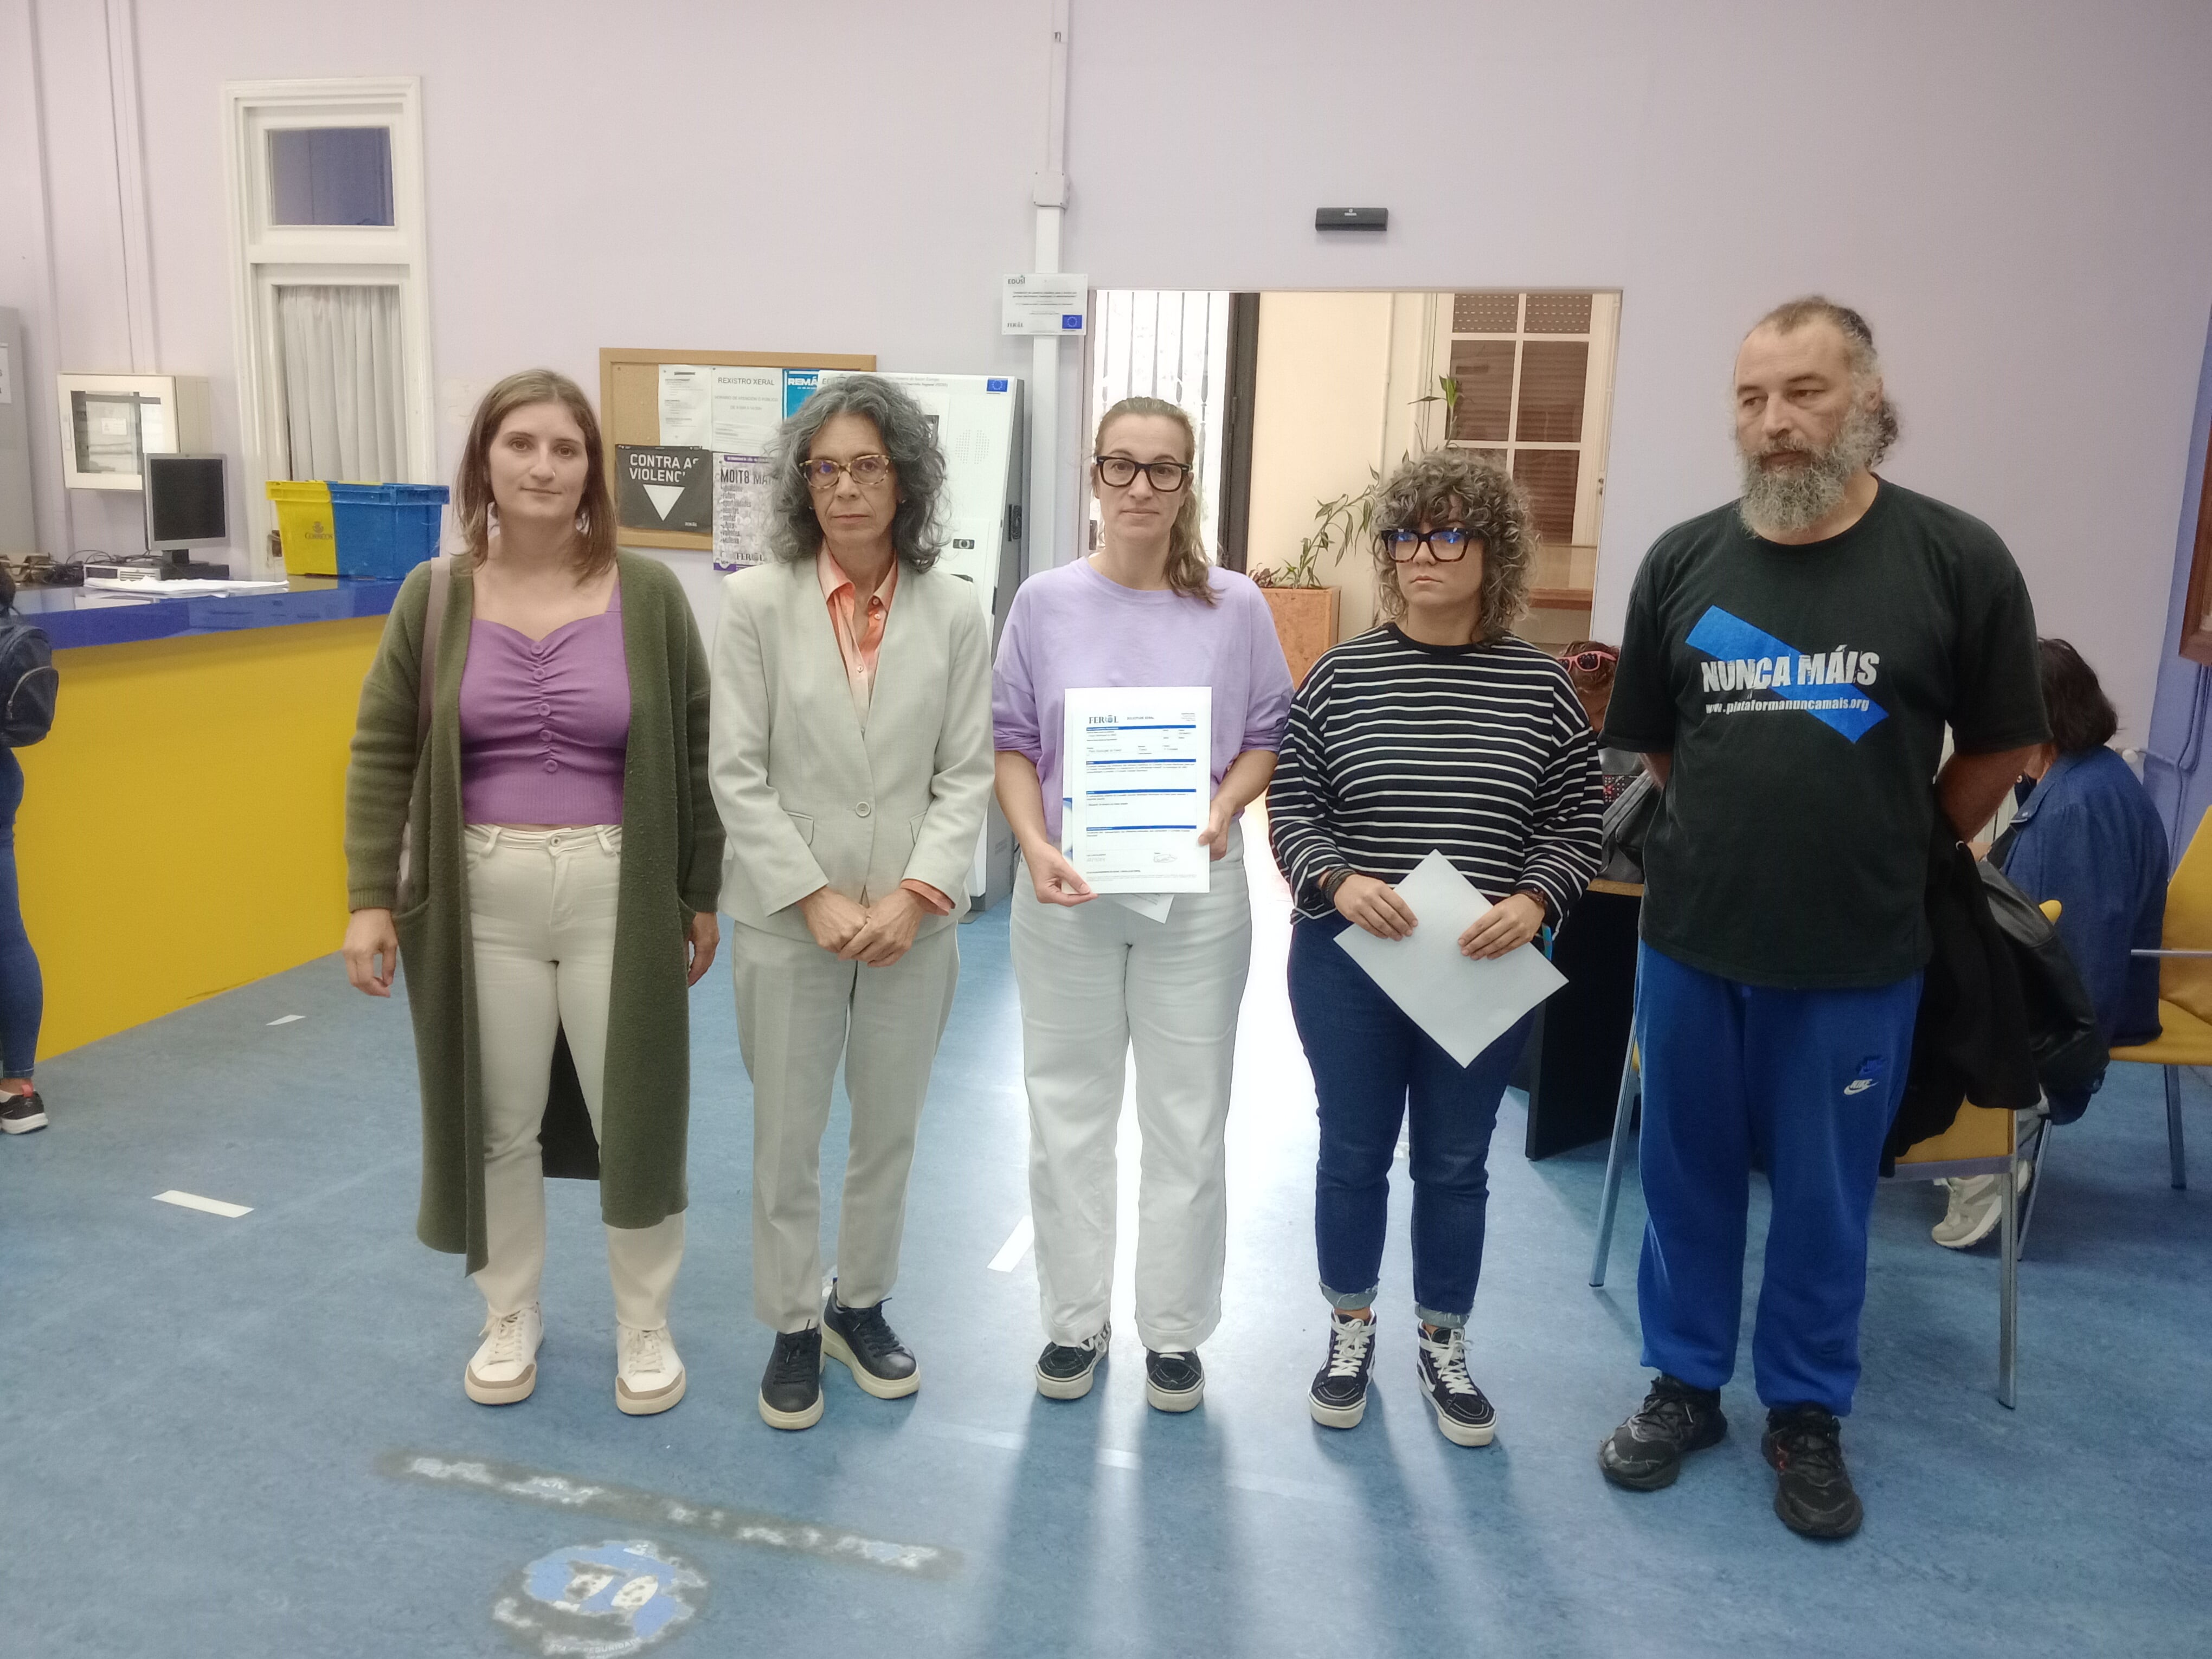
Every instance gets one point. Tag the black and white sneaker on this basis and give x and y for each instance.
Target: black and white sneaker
(1813, 1495)
(1173, 1381)
(1646, 1452)
(20, 1114)
(1338, 1399)
(1066, 1370)
(862, 1340)
(791, 1387)
(1463, 1413)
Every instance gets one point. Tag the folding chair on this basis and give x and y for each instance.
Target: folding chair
(2185, 988)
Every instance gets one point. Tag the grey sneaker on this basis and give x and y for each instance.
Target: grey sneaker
(20, 1114)
(1976, 1206)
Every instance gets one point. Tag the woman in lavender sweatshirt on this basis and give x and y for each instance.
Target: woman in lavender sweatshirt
(1097, 977)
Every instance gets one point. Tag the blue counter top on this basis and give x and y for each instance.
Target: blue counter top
(80, 615)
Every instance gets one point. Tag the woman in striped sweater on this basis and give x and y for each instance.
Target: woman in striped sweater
(1438, 730)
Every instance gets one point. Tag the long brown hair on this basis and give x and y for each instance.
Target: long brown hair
(1187, 573)
(594, 546)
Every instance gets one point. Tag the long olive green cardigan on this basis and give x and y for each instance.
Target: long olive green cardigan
(671, 856)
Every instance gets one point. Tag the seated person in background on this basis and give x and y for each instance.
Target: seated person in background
(2086, 835)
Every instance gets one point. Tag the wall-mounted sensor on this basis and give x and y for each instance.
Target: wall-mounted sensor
(1352, 218)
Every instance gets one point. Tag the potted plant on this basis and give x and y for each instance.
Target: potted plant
(1307, 611)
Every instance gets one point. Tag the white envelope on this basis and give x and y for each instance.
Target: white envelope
(1465, 1005)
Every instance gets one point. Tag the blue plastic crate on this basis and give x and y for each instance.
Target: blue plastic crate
(386, 530)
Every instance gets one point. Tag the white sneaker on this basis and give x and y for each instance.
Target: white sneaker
(1976, 1206)
(504, 1368)
(648, 1377)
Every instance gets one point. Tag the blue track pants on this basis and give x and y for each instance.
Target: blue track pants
(1808, 1079)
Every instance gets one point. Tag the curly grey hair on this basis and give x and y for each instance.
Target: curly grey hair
(917, 468)
(1455, 483)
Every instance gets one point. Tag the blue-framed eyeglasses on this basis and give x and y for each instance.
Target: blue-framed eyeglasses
(1446, 545)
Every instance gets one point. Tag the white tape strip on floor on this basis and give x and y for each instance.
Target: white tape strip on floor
(194, 1201)
(286, 1019)
(1016, 1247)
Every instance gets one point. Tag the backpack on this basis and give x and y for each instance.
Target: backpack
(28, 683)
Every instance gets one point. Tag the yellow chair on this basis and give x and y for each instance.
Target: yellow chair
(2185, 987)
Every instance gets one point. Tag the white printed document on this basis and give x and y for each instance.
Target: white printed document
(1137, 778)
(1465, 1005)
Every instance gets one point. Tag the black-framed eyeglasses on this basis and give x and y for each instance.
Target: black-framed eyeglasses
(1447, 543)
(1119, 472)
(866, 471)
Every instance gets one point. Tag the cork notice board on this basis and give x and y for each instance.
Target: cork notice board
(629, 410)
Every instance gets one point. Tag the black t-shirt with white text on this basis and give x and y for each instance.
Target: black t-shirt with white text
(1802, 692)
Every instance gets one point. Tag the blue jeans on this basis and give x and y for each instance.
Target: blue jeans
(22, 992)
(1370, 1063)
(1811, 1079)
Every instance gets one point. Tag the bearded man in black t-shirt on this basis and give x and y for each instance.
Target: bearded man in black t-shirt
(1787, 668)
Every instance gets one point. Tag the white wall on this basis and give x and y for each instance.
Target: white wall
(2014, 190)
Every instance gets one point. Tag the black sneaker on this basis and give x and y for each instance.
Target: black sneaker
(1646, 1452)
(1463, 1413)
(1338, 1399)
(20, 1114)
(791, 1388)
(1173, 1381)
(1813, 1495)
(1064, 1371)
(863, 1339)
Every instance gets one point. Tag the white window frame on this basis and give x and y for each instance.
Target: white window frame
(264, 255)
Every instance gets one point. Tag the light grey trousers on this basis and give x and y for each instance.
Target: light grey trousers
(800, 1011)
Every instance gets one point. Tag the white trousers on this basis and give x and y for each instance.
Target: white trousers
(541, 907)
(800, 1011)
(1099, 980)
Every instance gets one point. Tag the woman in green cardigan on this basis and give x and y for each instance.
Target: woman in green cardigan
(564, 861)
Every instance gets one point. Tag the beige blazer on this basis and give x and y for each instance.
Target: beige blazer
(807, 797)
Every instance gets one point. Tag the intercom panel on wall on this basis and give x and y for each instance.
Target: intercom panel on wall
(19, 534)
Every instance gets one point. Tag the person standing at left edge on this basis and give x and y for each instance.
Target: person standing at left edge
(1788, 666)
(852, 762)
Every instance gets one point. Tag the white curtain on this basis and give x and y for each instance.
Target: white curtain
(342, 381)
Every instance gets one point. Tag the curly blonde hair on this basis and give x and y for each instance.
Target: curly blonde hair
(1447, 484)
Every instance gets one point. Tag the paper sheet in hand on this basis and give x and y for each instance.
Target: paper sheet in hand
(1137, 765)
(1465, 1005)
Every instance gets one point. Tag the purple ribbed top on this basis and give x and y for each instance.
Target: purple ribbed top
(545, 723)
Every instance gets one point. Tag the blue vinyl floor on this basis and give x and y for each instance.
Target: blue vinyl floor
(247, 1436)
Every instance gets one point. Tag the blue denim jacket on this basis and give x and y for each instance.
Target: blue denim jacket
(2088, 836)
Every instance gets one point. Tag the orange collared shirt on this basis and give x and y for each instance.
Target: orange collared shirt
(860, 635)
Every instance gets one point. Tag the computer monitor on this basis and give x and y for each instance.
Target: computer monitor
(187, 504)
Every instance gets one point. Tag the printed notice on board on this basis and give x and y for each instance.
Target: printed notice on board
(748, 405)
(687, 404)
(660, 488)
(1033, 303)
(741, 508)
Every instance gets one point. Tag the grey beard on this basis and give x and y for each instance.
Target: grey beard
(1796, 498)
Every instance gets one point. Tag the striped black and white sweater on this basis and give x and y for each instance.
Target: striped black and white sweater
(1480, 752)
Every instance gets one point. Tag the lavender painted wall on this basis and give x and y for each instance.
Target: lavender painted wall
(2013, 189)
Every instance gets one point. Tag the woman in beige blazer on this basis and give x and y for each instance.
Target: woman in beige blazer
(851, 760)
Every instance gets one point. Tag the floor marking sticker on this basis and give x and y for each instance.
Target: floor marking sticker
(628, 1505)
(194, 1201)
(1016, 1247)
(599, 1600)
(286, 1019)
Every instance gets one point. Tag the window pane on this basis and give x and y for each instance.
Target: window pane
(1484, 369)
(343, 382)
(1485, 313)
(1552, 375)
(329, 176)
(1559, 314)
(1549, 475)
